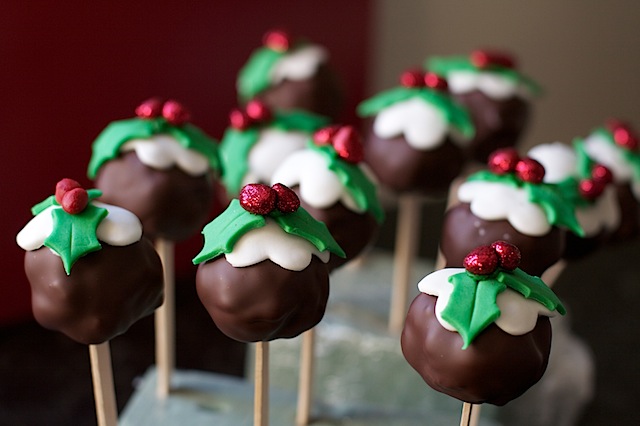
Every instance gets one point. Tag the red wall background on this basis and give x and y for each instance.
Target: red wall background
(68, 68)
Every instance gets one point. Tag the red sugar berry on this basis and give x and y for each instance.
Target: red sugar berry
(502, 161)
(287, 200)
(75, 201)
(257, 198)
(487, 58)
(258, 110)
(412, 78)
(590, 189)
(482, 260)
(278, 40)
(325, 135)
(239, 119)
(529, 170)
(601, 174)
(508, 255)
(434, 81)
(150, 108)
(63, 186)
(348, 144)
(622, 134)
(175, 113)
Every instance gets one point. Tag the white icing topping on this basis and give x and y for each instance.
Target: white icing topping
(162, 152)
(604, 213)
(423, 125)
(119, 228)
(559, 160)
(319, 186)
(299, 64)
(491, 84)
(496, 201)
(272, 147)
(604, 152)
(517, 315)
(271, 242)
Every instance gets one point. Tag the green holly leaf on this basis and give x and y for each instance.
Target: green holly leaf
(385, 99)
(234, 152)
(531, 288)
(221, 234)
(74, 235)
(253, 77)
(302, 224)
(472, 305)
(559, 210)
(298, 120)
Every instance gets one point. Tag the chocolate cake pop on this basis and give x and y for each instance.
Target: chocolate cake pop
(158, 166)
(262, 272)
(415, 134)
(288, 74)
(496, 94)
(509, 202)
(332, 184)
(597, 209)
(259, 139)
(92, 274)
(616, 147)
(481, 334)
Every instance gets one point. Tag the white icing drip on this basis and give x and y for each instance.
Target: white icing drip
(299, 64)
(271, 242)
(603, 214)
(496, 201)
(272, 147)
(162, 152)
(518, 315)
(559, 160)
(423, 125)
(119, 228)
(608, 154)
(491, 84)
(319, 186)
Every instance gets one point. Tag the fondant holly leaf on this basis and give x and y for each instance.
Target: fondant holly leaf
(234, 152)
(472, 305)
(74, 235)
(51, 201)
(221, 234)
(385, 99)
(298, 120)
(531, 288)
(487, 176)
(254, 76)
(302, 224)
(559, 211)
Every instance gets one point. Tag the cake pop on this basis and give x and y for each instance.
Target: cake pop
(496, 94)
(288, 74)
(262, 272)
(481, 334)
(160, 167)
(259, 139)
(415, 135)
(510, 202)
(332, 184)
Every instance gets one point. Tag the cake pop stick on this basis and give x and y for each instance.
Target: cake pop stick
(261, 391)
(162, 168)
(79, 262)
(305, 384)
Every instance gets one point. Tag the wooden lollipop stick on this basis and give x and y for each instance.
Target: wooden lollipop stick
(261, 391)
(165, 321)
(305, 385)
(406, 249)
(475, 415)
(465, 417)
(103, 389)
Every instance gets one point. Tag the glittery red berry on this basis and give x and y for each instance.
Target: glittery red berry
(257, 198)
(324, 136)
(278, 40)
(258, 110)
(487, 58)
(502, 161)
(529, 170)
(434, 81)
(590, 189)
(508, 255)
(239, 120)
(412, 78)
(63, 186)
(601, 174)
(150, 108)
(482, 260)
(348, 144)
(175, 113)
(75, 201)
(287, 200)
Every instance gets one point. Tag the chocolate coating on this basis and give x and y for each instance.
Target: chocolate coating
(495, 368)
(352, 231)
(264, 301)
(170, 203)
(403, 169)
(462, 231)
(498, 123)
(629, 214)
(107, 291)
(321, 94)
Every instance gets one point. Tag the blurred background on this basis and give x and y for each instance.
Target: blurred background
(69, 68)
